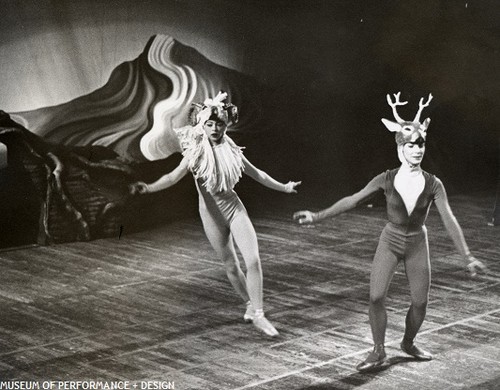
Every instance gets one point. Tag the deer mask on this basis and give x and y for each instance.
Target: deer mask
(407, 131)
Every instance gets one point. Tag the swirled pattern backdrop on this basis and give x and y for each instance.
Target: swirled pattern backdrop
(144, 99)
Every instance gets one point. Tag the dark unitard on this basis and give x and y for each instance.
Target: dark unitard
(404, 237)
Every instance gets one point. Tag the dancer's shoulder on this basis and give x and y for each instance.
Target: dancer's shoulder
(188, 136)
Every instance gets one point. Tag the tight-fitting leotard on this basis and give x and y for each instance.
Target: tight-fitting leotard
(218, 202)
(404, 237)
(221, 207)
(225, 220)
(414, 222)
(216, 170)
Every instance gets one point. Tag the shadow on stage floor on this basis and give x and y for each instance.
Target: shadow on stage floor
(156, 305)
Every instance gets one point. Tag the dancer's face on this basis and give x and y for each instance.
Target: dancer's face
(414, 152)
(214, 130)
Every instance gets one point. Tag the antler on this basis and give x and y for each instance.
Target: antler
(421, 106)
(395, 104)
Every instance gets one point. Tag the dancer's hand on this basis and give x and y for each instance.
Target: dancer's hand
(291, 185)
(138, 188)
(474, 265)
(304, 217)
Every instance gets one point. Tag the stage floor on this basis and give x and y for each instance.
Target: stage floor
(157, 305)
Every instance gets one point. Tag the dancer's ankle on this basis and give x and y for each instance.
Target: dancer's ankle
(379, 348)
(407, 341)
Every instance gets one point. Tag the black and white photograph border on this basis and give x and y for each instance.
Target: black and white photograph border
(108, 274)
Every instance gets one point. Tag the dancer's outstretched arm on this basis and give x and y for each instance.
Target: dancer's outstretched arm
(266, 180)
(163, 182)
(342, 205)
(454, 230)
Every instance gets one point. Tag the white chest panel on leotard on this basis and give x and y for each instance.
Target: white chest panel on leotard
(409, 186)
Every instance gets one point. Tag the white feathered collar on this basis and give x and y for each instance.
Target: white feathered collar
(219, 167)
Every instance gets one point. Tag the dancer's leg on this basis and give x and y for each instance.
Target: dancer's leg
(384, 264)
(246, 240)
(383, 267)
(418, 272)
(220, 238)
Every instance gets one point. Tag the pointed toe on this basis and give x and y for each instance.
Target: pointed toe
(417, 352)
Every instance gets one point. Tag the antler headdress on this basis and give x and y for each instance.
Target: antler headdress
(407, 131)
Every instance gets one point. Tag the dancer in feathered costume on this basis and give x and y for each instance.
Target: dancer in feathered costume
(409, 193)
(217, 164)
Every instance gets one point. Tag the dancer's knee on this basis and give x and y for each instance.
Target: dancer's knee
(253, 263)
(377, 301)
(419, 305)
(231, 265)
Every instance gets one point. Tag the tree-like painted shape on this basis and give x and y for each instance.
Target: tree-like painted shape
(33, 152)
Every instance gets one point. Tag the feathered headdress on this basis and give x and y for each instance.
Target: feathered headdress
(219, 168)
(216, 108)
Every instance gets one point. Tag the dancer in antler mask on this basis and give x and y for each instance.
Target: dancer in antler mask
(217, 164)
(409, 193)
